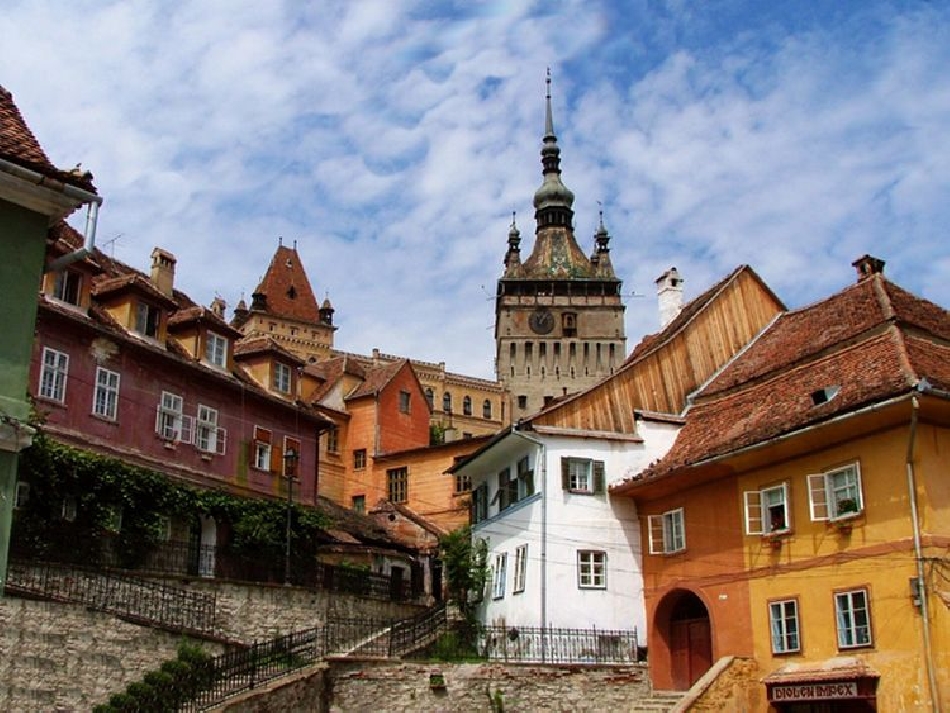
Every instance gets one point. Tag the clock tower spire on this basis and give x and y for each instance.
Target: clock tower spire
(559, 319)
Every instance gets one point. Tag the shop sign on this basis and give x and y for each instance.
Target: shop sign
(815, 691)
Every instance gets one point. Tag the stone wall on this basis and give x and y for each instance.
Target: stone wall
(730, 685)
(63, 657)
(304, 691)
(249, 612)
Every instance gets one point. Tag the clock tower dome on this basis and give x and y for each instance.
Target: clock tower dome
(559, 317)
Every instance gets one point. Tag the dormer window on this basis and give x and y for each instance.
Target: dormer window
(216, 350)
(147, 319)
(68, 287)
(282, 378)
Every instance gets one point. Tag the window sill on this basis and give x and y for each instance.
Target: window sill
(105, 419)
(206, 456)
(572, 491)
(170, 445)
(52, 402)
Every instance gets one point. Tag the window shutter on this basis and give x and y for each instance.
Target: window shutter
(565, 474)
(503, 495)
(276, 459)
(598, 476)
(753, 512)
(817, 497)
(220, 441)
(483, 502)
(187, 432)
(262, 435)
(529, 483)
(655, 531)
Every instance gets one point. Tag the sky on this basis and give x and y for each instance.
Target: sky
(393, 140)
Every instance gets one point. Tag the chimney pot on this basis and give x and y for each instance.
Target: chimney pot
(866, 265)
(669, 292)
(163, 271)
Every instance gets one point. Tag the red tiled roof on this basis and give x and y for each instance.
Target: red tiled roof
(18, 145)
(107, 286)
(264, 345)
(376, 379)
(287, 289)
(865, 341)
(198, 314)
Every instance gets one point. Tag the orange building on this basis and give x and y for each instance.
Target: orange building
(801, 518)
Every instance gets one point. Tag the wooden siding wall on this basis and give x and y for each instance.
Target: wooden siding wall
(661, 380)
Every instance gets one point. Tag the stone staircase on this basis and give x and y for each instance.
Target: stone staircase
(658, 702)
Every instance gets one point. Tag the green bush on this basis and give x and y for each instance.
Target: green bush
(103, 708)
(124, 703)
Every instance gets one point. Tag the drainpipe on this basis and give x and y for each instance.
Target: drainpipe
(87, 198)
(918, 555)
(542, 460)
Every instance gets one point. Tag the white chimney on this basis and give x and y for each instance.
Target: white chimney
(669, 292)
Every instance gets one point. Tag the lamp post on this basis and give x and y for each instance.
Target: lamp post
(290, 465)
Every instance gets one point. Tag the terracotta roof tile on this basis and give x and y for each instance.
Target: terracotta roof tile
(930, 361)
(202, 315)
(108, 286)
(287, 289)
(18, 145)
(264, 345)
(376, 379)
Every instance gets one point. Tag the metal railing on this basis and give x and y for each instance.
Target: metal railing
(138, 600)
(555, 645)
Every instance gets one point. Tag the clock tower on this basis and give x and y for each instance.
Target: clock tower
(559, 318)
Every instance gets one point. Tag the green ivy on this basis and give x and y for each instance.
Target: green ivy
(101, 485)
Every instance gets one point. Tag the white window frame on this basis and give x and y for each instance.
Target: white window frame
(170, 423)
(667, 532)
(64, 280)
(143, 312)
(826, 493)
(848, 613)
(521, 568)
(499, 575)
(580, 482)
(216, 349)
(759, 511)
(53, 375)
(208, 437)
(105, 398)
(262, 449)
(591, 569)
(781, 613)
(282, 377)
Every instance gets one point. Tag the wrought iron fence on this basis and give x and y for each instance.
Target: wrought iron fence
(234, 672)
(138, 600)
(555, 645)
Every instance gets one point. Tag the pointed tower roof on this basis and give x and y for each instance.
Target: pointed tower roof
(285, 291)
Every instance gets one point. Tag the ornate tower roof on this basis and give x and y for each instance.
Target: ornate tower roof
(285, 291)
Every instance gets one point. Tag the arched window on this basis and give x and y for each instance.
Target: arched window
(430, 398)
(486, 409)
(467, 406)
(447, 402)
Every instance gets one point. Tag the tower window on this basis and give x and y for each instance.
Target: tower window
(569, 324)
(467, 406)
(430, 398)
(447, 402)
(522, 402)
(486, 409)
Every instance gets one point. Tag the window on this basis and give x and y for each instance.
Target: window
(68, 287)
(359, 503)
(591, 569)
(262, 449)
(499, 575)
(333, 440)
(486, 409)
(404, 398)
(480, 503)
(853, 617)
(766, 510)
(581, 475)
(281, 378)
(105, 402)
(507, 493)
(170, 424)
(783, 622)
(22, 495)
(430, 398)
(467, 406)
(359, 459)
(463, 483)
(525, 479)
(146, 320)
(216, 349)
(521, 568)
(836, 495)
(522, 401)
(447, 402)
(667, 533)
(398, 482)
(208, 437)
(289, 466)
(53, 375)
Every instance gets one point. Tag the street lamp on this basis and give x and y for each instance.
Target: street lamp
(290, 465)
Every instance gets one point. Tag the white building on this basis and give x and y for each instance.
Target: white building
(561, 552)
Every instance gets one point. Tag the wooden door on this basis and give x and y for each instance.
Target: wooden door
(690, 651)
(679, 654)
(700, 649)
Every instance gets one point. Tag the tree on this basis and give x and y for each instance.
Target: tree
(466, 571)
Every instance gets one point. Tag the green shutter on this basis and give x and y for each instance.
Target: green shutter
(598, 476)
(565, 474)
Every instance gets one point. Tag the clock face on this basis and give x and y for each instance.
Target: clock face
(541, 321)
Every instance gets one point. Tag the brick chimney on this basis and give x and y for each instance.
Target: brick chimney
(867, 266)
(669, 292)
(163, 271)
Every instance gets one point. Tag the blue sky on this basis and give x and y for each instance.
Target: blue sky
(393, 140)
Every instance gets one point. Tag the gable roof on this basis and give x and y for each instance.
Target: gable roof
(377, 378)
(855, 349)
(264, 345)
(19, 146)
(286, 288)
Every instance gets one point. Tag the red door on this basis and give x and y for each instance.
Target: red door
(700, 649)
(690, 651)
(679, 654)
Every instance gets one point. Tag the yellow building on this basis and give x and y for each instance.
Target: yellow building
(825, 448)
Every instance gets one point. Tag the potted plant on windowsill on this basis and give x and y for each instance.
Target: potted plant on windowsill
(773, 540)
(846, 510)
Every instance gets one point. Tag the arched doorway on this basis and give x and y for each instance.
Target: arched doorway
(684, 619)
